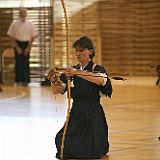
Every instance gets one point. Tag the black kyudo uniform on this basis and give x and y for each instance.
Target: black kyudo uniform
(87, 132)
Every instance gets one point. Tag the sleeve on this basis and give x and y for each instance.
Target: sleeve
(107, 88)
(63, 78)
(34, 31)
(11, 31)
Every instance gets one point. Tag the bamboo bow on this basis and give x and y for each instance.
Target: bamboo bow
(68, 84)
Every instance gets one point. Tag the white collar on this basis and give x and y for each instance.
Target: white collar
(82, 68)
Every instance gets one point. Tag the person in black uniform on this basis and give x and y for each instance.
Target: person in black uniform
(87, 131)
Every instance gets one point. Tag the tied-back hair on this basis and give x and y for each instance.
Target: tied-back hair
(85, 42)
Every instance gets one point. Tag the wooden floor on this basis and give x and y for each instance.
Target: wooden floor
(31, 116)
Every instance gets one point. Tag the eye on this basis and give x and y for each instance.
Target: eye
(80, 50)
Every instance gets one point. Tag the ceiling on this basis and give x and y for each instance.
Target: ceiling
(23, 3)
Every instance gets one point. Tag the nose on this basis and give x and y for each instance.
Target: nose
(78, 53)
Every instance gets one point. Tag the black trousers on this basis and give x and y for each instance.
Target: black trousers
(22, 70)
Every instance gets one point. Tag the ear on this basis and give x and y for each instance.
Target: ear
(91, 51)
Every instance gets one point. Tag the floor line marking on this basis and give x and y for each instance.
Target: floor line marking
(22, 94)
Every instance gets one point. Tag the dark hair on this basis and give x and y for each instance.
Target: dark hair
(84, 42)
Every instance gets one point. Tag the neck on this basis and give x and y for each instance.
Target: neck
(85, 63)
(22, 19)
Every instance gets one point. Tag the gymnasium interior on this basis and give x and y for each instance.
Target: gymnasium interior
(126, 34)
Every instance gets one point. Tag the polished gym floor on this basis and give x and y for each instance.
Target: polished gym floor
(31, 116)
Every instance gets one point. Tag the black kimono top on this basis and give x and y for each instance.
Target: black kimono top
(83, 89)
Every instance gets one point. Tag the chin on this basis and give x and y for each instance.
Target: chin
(79, 59)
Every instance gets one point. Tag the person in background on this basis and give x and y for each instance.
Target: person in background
(87, 131)
(22, 33)
(1, 90)
(158, 74)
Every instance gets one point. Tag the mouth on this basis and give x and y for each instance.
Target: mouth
(79, 57)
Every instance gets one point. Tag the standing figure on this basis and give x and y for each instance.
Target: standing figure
(87, 132)
(22, 33)
(158, 74)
